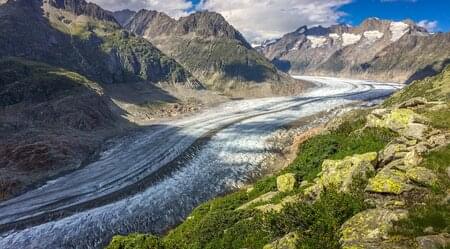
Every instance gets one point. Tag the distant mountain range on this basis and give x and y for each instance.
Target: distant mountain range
(377, 49)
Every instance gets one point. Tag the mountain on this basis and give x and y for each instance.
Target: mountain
(124, 16)
(70, 78)
(84, 38)
(208, 46)
(377, 49)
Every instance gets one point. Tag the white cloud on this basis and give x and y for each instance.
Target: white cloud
(174, 8)
(265, 19)
(258, 20)
(431, 26)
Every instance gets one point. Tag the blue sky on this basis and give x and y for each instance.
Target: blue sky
(266, 19)
(431, 10)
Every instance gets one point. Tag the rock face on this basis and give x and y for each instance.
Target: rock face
(208, 46)
(84, 38)
(377, 49)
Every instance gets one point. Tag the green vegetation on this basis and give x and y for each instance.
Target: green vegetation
(433, 214)
(337, 145)
(432, 88)
(22, 80)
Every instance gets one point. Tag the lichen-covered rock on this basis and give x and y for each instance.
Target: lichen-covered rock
(433, 241)
(369, 226)
(414, 102)
(422, 176)
(263, 198)
(287, 242)
(412, 159)
(341, 173)
(404, 121)
(389, 181)
(286, 183)
(270, 208)
(392, 152)
(438, 140)
(415, 131)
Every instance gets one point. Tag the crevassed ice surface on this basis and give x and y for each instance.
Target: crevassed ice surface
(231, 157)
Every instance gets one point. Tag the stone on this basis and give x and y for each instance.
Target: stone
(289, 241)
(341, 173)
(415, 131)
(389, 181)
(422, 148)
(370, 226)
(380, 112)
(397, 164)
(433, 241)
(422, 176)
(403, 121)
(286, 183)
(399, 119)
(412, 159)
(270, 208)
(391, 152)
(263, 198)
(414, 102)
(438, 140)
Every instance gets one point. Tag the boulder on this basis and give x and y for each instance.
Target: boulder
(341, 173)
(433, 241)
(412, 159)
(403, 121)
(389, 181)
(392, 152)
(286, 183)
(270, 208)
(438, 140)
(289, 241)
(414, 102)
(415, 131)
(370, 226)
(422, 176)
(263, 198)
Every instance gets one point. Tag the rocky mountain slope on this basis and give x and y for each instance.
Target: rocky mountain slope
(208, 46)
(371, 179)
(85, 38)
(377, 49)
(71, 78)
(123, 17)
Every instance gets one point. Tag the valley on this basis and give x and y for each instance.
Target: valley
(166, 171)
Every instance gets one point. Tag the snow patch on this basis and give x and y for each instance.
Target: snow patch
(373, 35)
(317, 41)
(350, 39)
(398, 29)
(335, 36)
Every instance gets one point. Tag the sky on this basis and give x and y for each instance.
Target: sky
(259, 20)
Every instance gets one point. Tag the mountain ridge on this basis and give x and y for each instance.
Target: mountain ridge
(208, 46)
(344, 51)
